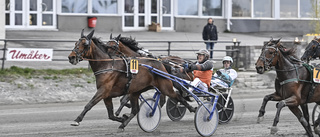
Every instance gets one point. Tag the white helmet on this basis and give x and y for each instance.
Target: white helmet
(227, 58)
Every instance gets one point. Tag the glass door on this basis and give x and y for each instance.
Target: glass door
(162, 12)
(138, 14)
(166, 14)
(30, 14)
(14, 11)
(134, 15)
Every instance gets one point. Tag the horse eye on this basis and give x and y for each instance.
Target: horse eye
(270, 52)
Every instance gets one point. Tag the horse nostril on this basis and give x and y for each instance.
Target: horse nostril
(71, 57)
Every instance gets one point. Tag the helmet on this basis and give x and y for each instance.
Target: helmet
(203, 52)
(227, 58)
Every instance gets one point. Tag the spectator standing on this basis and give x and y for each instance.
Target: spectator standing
(210, 33)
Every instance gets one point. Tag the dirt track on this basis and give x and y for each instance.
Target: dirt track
(55, 119)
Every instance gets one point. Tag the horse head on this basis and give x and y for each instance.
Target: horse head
(269, 55)
(82, 46)
(312, 50)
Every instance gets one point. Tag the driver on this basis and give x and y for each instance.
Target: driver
(202, 71)
(226, 75)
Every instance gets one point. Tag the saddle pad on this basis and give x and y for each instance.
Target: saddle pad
(316, 76)
(134, 66)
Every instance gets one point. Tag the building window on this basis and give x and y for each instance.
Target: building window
(241, 8)
(81, 6)
(288, 8)
(187, 7)
(262, 8)
(74, 6)
(212, 7)
(104, 6)
(307, 8)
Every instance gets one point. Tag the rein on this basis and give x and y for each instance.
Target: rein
(296, 68)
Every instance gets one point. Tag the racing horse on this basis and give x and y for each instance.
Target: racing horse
(312, 51)
(292, 85)
(129, 47)
(110, 72)
(126, 46)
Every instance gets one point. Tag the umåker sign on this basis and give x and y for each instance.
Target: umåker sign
(28, 54)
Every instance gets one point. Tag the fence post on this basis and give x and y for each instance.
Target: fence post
(238, 51)
(169, 47)
(4, 54)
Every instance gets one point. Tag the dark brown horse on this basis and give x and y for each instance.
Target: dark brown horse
(312, 51)
(292, 85)
(128, 47)
(111, 77)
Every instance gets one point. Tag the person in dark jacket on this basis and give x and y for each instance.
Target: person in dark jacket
(210, 33)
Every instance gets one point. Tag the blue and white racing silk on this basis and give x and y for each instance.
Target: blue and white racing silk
(225, 79)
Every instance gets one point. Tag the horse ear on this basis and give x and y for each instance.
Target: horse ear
(118, 37)
(89, 36)
(111, 36)
(82, 35)
(278, 40)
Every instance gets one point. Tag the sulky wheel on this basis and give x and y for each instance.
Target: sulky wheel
(315, 113)
(148, 122)
(225, 114)
(175, 110)
(204, 125)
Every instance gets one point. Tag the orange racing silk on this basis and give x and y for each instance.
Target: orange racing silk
(204, 76)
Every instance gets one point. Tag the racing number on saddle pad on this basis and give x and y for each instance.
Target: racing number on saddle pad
(134, 64)
(316, 76)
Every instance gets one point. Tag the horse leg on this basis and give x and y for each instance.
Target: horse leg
(123, 102)
(274, 128)
(95, 99)
(316, 126)
(267, 98)
(134, 110)
(109, 105)
(162, 100)
(296, 111)
(186, 104)
(305, 111)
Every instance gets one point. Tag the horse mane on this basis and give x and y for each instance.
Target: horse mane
(290, 54)
(287, 53)
(131, 43)
(98, 42)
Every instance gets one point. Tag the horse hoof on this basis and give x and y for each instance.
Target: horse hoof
(274, 130)
(75, 124)
(120, 130)
(193, 109)
(260, 119)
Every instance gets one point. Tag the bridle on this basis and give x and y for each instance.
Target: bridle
(115, 47)
(268, 61)
(315, 52)
(84, 51)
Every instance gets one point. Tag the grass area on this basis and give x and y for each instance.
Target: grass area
(46, 73)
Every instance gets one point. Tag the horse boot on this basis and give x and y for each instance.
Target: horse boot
(274, 130)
